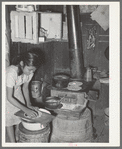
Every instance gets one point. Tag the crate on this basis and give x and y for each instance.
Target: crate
(27, 27)
(24, 27)
(52, 23)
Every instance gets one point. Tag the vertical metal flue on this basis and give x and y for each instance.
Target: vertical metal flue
(75, 42)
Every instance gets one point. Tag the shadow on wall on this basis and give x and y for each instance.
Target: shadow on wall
(40, 71)
(39, 52)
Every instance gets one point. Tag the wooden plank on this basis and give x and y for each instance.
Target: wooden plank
(16, 26)
(13, 31)
(21, 26)
(29, 27)
(35, 28)
(103, 38)
(12, 25)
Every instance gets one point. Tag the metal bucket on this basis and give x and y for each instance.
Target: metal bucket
(36, 89)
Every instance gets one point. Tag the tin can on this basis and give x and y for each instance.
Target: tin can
(36, 89)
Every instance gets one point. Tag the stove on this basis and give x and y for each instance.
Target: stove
(74, 97)
(74, 102)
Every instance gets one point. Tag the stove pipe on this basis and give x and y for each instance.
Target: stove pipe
(75, 42)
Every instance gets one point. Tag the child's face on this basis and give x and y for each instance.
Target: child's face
(27, 70)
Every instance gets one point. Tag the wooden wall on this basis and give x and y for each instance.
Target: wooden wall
(57, 52)
(95, 57)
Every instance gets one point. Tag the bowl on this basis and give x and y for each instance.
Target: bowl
(29, 125)
(52, 102)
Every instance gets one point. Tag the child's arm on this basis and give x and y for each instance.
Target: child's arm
(25, 90)
(18, 104)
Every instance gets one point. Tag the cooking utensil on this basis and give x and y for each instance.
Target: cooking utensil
(36, 89)
(32, 126)
(60, 81)
(74, 88)
(52, 108)
(75, 83)
(43, 119)
(29, 125)
(54, 99)
(53, 102)
(39, 115)
(88, 75)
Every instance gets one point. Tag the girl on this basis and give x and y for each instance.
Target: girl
(18, 76)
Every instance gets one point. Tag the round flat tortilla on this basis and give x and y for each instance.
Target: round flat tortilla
(33, 117)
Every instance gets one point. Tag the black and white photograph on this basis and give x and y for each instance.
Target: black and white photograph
(60, 74)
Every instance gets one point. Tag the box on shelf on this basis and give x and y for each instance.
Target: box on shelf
(26, 26)
(52, 23)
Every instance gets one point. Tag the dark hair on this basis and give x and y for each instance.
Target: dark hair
(29, 58)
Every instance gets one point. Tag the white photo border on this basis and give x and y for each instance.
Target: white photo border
(114, 69)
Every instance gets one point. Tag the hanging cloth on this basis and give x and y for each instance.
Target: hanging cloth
(101, 16)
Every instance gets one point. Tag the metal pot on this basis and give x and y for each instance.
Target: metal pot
(60, 81)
